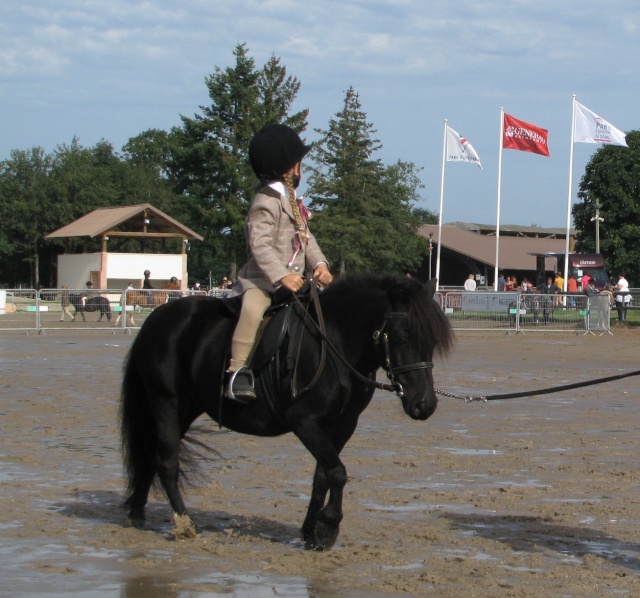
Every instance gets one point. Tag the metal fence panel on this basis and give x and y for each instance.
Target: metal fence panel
(524, 312)
(553, 313)
(481, 310)
(87, 310)
(19, 309)
(598, 316)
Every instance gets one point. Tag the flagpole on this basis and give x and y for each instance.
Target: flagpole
(566, 242)
(444, 161)
(495, 276)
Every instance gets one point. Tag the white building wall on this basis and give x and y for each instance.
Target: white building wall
(121, 269)
(74, 269)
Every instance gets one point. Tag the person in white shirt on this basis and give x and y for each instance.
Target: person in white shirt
(623, 297)
(470, 283)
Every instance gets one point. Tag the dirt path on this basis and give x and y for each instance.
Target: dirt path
(527, 497)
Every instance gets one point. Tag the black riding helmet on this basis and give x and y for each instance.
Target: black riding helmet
(273, 150)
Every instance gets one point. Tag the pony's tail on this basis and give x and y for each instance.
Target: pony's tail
(138, 434)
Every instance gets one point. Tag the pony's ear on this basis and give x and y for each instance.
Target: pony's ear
(430, 287)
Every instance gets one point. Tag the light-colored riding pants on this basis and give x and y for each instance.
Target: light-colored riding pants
(254, 303)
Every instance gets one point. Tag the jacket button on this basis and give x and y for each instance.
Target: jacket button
(296, 268)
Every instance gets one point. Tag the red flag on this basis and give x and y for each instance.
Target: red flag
(523, 136)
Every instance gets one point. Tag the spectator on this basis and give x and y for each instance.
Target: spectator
(470, 283)
(559, 282)
(502, 283)
(623, 297)
(572, 289)
(548, 303)
(65, 301)
(549, 288)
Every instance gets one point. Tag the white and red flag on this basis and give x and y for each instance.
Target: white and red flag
(524, 136)
(459, 149)
(591, 128)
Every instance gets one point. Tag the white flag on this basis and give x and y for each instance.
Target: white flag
(459, 149)
(590, 128)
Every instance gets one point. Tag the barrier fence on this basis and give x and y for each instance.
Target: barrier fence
(523, 312)
(27, 310)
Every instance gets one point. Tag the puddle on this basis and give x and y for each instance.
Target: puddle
(469, 451)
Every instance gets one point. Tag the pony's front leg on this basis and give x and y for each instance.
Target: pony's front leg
(318, 496)
(322, 523)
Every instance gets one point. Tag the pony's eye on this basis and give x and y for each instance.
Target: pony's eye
(400, 336)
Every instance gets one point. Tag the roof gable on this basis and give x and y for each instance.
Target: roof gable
(140, 220)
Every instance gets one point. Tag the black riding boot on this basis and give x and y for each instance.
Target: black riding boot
(239, 385)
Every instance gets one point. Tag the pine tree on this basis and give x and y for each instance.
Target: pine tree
(364, 213)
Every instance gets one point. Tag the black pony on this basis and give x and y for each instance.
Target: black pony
(100, 304)
(175, 369)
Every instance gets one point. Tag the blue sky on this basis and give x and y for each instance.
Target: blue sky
(110, 69)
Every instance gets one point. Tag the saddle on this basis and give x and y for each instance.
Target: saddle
(275, 352)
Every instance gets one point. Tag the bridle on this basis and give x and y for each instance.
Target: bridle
(391, 371)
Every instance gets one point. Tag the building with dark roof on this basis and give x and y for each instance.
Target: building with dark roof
(469, 248)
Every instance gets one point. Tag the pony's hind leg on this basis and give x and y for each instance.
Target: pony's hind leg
(168, 467)
(138, 499)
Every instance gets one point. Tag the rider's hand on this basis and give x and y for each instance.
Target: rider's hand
(322, 274)
(292, 282)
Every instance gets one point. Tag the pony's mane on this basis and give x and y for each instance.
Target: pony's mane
(427, 321)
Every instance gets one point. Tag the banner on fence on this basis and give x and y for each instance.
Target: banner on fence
(489, 302)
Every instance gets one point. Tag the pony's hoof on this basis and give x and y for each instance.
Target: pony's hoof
(137, 523)
(323, 538)
(184, 527)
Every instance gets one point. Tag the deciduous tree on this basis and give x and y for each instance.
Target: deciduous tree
(612, 179)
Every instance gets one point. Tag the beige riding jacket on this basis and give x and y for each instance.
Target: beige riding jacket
(273, 246)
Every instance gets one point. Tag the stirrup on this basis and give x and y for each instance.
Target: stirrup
(240, 385)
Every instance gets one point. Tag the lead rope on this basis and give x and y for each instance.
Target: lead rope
(531, 393)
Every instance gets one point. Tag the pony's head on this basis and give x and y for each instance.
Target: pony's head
(415, 329)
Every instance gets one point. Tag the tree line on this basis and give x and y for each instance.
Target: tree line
(365, 212)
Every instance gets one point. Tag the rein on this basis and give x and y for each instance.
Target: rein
(391, 371)
(531, 393)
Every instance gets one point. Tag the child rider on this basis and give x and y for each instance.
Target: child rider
(280, 245)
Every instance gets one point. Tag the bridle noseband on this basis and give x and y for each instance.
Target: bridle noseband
(391, 371)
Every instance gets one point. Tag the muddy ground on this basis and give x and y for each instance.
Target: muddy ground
(527, 497)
